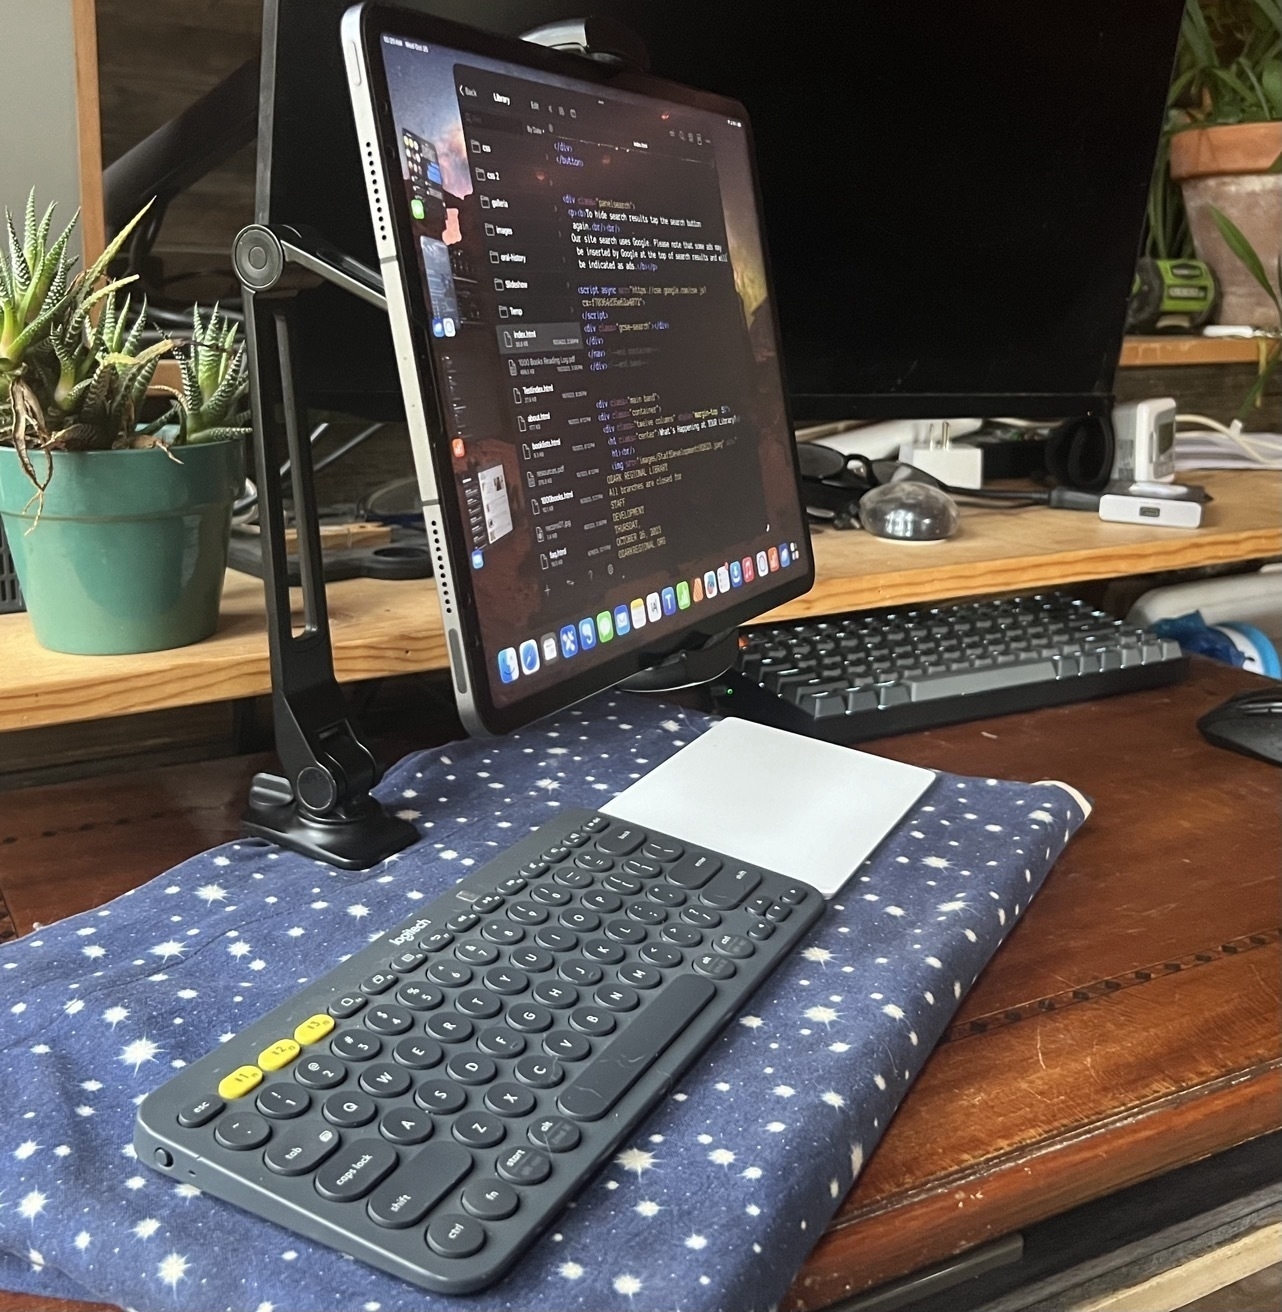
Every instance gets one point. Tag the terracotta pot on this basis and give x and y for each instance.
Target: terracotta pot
(1226, 168)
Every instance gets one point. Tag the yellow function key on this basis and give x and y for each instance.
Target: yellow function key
(239, 1082)
(314, 1028)
(278, 1054)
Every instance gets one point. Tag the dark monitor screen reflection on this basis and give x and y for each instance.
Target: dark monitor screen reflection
(588, 270)
(954, 194)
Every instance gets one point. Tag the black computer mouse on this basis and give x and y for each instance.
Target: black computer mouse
(1250, 722)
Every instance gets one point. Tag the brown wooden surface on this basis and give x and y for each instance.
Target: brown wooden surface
(383, 628)
(1138, 352)
(1130, 1024)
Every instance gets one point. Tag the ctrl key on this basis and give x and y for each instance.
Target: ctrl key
(453, 1235)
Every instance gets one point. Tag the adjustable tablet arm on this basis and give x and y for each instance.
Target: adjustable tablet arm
(322, 805)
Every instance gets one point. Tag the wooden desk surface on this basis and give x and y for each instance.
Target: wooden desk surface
(1130, 1024)
(383, 628)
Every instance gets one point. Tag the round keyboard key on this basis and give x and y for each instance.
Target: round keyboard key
(713, 966)
(387, 1018)
(732, 945)
(617, 997)
(404, 962)
(506, 980)
(557, 940)
(594, 861)
(491, 1200)
(684, 936)
(462, 921)
(205, 1109)
(663, 849)
(348, 1004)
(565, 1046)
(385, 1081)
(490, 902)
(593, 1021)
(556, 853)
(449, 1027)
(550, 896)
(642, 867)
(435, 941)
(478, 1004)
(571, 878)
(702, 917)
(760, 930)
(301, 1149)
(503, 934)
(610, 954)
(576, 838)
(476, 954)
(599, 900)
(529, 1019)
(583, 922)
(405, 1125)
(628, 884)
(455, 1236)
(791, 894)
(645, 914)
(452, 974)
(625, 931)
(555, 1134)
(320, 1072)
(523, 1166)
(660, 954)
(526, 913)
(440, 1096)
(665, 895)
(535, 959)
(621, 840)
(379, 982)
(419, 997)
(640, 977)
(279, 1101)
(242, 1130)
(510, 1100)
(501, 1042)
(575, 971)
(353, 1045)
(418, 1054)
(541, 1072)
(778, 913)
(535, 869)
(349, 1109)
(471, 1068)
(479, 1130)
(552, 994)
(510, 886)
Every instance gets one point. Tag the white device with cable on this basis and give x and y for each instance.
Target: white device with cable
(1144, 432)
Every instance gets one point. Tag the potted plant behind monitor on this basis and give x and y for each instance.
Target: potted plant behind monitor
(118, 526)
(1226, 147)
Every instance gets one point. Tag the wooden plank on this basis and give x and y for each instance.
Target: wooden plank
(382, 628)
(93, 230)
(1138, 352)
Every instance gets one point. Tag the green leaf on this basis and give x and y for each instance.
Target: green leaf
(1236, 241)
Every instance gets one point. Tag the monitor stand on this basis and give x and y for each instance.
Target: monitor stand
(321, 806)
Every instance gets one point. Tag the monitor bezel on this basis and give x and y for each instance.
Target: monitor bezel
(376, 19)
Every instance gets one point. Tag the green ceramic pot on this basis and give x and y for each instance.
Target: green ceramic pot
(130, 549)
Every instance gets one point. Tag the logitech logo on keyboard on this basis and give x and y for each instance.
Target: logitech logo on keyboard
(412, 932)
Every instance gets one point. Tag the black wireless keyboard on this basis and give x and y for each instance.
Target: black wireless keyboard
(430, 1105)
(852, 677)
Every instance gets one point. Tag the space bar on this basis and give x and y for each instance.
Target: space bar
(620, 1065)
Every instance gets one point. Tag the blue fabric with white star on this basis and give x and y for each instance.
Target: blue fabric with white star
(722, 1192)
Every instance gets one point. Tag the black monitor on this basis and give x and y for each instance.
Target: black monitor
(954, 194)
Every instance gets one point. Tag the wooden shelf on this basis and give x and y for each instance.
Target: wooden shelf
(1167, 351)
(386, 628)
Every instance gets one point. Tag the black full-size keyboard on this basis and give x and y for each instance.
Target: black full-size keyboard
(431, 1104)
(852, 677)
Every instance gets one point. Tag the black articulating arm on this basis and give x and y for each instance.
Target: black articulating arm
(322, 805)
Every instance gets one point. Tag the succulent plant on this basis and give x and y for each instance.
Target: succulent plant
(74, 373)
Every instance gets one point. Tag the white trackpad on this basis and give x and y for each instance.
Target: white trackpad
(807, 809)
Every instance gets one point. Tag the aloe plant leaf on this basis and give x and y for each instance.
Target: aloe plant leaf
(1236, 241)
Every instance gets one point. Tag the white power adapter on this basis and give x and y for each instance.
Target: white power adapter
(956, 466)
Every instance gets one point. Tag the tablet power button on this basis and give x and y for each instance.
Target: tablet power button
(353, 61)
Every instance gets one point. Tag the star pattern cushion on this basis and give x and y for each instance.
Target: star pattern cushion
(722, 1191)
